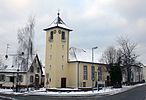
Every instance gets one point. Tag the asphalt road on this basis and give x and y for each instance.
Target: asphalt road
(138, 93)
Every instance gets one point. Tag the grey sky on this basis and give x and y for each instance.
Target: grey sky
(94, 22)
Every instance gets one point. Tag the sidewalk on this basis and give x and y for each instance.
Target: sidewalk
(42, 91)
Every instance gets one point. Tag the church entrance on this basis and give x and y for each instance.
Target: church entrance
(63, 82)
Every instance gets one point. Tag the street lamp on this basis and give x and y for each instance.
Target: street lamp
(93, 72)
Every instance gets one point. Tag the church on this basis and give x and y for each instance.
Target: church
(61, 70)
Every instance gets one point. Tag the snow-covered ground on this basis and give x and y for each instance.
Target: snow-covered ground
(42, 91)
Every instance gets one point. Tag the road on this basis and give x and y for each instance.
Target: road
(138, 93)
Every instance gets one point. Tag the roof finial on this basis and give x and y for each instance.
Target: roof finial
(58, 12)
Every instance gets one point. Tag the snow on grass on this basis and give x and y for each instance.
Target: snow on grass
(42, 91)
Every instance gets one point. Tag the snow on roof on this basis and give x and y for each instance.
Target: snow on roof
(76, 54)
(11, 64)
(58, 22)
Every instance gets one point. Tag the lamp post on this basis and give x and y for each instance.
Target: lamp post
(93, 72)
(17, 79)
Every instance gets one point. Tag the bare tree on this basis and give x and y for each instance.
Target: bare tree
(109, 57)
(112, 57)
(25, 41)
(124, 56)
(128, 55)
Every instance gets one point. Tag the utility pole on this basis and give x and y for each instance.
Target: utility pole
(6, 56)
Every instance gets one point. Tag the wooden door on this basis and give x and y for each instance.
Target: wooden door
(63, 82)
(36, 81)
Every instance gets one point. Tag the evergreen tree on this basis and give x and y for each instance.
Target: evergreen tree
(116, 76)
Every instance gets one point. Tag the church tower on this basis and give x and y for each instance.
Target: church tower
(57, 52)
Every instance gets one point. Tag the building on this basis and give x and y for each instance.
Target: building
(144, 73)
(13, 73)
(60, 70)
(136, 74)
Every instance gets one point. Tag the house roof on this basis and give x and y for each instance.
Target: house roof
(41, 66)
(58, 23)
(9, 64)
(12, 64)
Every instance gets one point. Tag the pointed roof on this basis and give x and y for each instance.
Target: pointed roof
(58, 23)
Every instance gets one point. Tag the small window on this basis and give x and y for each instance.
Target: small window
(63, 35)
(11, 78)
(31, 79)
(62, 57)
(51, 35)
(2, 78)
(84, 84)
(50, 66)
(38, 70)
(62, 67)
(20, 78)
(32, 69)
(51, 46)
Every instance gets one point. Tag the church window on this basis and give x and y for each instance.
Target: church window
(63, 35)
(99, 73)
(85, 74)
(51, 35)
(92, 72)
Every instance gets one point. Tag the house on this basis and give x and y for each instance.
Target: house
(63, 68)
(13, 73)
(144, 72)
(136, 74)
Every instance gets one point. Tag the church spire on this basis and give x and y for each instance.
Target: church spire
(58, 13)
(58, 22)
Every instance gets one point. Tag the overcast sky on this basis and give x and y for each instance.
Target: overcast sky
(94, 22)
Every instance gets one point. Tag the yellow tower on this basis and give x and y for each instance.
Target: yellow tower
(57, 49)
